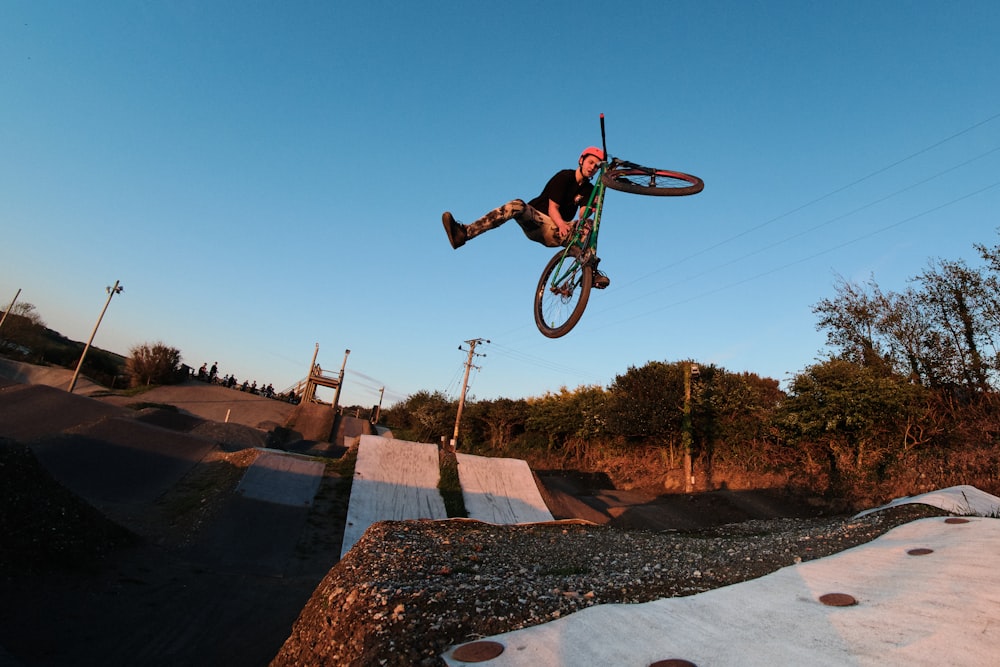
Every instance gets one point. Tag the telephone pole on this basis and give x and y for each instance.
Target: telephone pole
(117, 289)
(465, 385)
(9, 308)
(691, 372)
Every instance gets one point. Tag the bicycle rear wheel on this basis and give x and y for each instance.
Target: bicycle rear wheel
(562, 294)
(634, 178)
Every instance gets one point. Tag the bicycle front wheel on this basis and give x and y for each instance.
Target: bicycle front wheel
(634, 178)
(562, 294)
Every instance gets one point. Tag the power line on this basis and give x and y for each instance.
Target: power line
(692, 276)
(836, 191)
(812, 256)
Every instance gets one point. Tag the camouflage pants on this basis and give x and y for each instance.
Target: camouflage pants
(536, 225)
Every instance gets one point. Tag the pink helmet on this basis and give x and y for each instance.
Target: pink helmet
(592, 150)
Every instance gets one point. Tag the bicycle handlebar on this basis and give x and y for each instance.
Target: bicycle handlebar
(604, 143)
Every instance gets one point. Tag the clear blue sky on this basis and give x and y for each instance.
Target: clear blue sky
(266, 176)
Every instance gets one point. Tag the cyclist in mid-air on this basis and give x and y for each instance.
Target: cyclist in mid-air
(546, 219)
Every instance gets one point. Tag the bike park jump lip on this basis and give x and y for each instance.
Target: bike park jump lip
(925, 593)
(398, 480)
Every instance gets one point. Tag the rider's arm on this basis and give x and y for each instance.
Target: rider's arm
(564, 227)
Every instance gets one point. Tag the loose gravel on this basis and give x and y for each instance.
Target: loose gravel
(410, 590)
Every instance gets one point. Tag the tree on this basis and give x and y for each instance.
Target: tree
(23, 326)
(569, 417)
(423, 416)
(647, 402)
(958, 301)
(851, 413)
(153, 364)
(743, 407)
(852, 323)
(502, 419)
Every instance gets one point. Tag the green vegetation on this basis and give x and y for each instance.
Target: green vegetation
(25, 337)
(155, 364)
(906, 401)
(450, 487)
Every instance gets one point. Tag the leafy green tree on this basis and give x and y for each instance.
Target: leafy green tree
(502, 420)
(856, 417)
(155, 364)
(957, 299)
(743, 407)
(424, 416)
(568, 417)
(853, 322)
(647, 402)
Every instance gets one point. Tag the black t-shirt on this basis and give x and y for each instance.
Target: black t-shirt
(563, 189)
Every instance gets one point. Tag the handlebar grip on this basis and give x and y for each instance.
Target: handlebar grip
(604, 143)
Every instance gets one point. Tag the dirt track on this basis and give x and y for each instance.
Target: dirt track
(185, 594)
(210, 581)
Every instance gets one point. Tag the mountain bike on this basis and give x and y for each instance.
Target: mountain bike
(564, 287)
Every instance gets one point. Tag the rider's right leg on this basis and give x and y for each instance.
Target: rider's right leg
(458, 233)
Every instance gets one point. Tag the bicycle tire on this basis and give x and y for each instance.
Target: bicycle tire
(639, 180)
(558, 308)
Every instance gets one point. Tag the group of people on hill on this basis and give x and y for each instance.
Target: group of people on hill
(211, 375)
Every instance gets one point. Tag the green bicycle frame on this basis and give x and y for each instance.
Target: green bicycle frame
(584, 239)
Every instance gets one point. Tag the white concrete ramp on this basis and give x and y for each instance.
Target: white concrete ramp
(963, 499)
(500, 490)
(394, 480)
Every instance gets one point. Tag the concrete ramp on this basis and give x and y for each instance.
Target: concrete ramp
(259, 527)
(963, 500)
(282, 479)
(394, 480)
(500, 490)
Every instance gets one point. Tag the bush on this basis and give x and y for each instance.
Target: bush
(153, 364)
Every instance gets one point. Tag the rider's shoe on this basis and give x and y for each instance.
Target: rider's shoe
(455, 230)
(600, 280)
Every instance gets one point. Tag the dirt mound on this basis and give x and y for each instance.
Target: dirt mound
(593, 497)
(44, 526)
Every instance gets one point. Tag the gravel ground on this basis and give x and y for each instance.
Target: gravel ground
(409, 590)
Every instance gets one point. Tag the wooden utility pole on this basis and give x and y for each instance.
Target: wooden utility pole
(687, 438)
(465, 385)
(7, 312)
(111, 292)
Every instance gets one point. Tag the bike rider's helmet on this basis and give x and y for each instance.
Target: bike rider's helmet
(592, 150)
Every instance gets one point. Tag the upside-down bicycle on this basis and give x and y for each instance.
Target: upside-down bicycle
(564, 288)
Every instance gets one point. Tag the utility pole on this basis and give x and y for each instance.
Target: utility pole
(7, 312)
(117, 289)
(687, 438)
(378, 408)
(465, 385)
